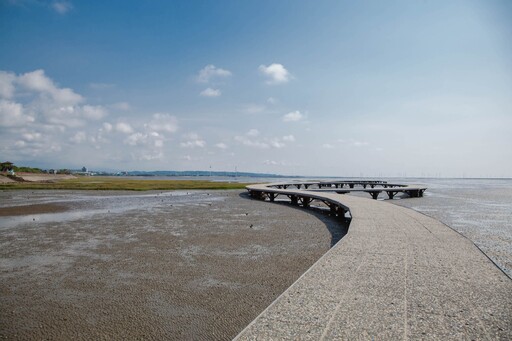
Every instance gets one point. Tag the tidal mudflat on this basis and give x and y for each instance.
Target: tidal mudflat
(151, 265)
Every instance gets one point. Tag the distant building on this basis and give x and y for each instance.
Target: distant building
(84, 169)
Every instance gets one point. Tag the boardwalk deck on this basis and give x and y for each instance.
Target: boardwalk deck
(397, 274)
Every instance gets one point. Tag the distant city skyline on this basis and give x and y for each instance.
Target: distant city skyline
(325, 88)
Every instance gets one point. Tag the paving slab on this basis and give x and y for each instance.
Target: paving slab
(397, 274)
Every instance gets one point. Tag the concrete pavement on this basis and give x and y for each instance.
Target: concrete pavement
(397, 274)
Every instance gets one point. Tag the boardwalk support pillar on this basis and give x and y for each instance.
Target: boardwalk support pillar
(375, 194)
(294, 199)
(305, 201)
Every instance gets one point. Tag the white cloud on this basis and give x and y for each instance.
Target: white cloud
(194, 141)
(12, 114)
(7, 84)
(193, 144)
(30, 137)
(221, 145)
(79, 137)
(251, 143)
(275, 73)
(293, 116)
(163, 122)
(107, 127)
(38, 82)
(277, 144)
(94, 112)
(327, 146)
(124, 127)
(148, 141)
(135, 139)
(275, 163)
(271, 100)
(270, 162)
(209, 92)
(289, 138)
(253, 132)
(62, 7)
(210, 72)
(151, 155)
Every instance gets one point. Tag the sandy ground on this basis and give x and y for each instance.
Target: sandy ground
(196, 266)
(36, 177)
(5, 180)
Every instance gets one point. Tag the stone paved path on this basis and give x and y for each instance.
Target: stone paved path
(397, 274)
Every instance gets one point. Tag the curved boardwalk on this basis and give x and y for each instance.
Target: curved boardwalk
(397, 274)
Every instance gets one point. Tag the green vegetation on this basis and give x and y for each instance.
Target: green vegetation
(7, 166)
(26, 169)
(112, 183)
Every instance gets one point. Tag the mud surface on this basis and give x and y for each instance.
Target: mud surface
(174, 265)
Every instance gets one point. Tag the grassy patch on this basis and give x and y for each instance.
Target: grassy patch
(113, 183)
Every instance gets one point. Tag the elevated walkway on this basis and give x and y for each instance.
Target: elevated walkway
(397, 274)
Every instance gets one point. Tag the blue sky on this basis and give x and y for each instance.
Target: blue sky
(335, 88)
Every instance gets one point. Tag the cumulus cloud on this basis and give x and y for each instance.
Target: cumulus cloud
(209, 92)
(270, 162)
(250, 139)
(194, 141)
(12, 114)
(124, 127)
(293, 116)
(31, 136)
(79, 137)
(275, 163)
(327, 146)
(221, 145)
(107, 127)
(163, 122)
(61, 7)
(7, 84)
(251, 143)
(193, 144)
(275, 73)
(93, 112)
(38, 82)
(211, 72)
(253, 132)
(277, 144)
